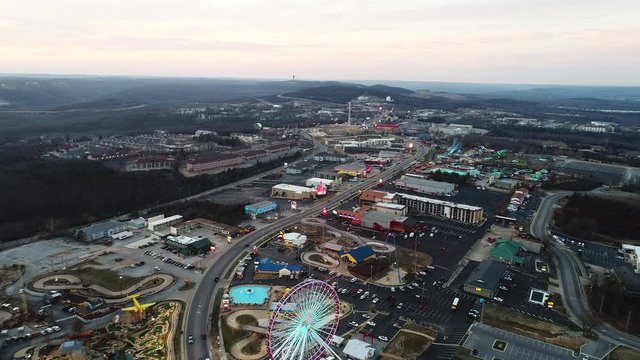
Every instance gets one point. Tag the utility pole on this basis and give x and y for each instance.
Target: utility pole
(628, 318)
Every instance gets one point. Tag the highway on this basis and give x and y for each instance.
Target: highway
(572, 289)
(198, 312)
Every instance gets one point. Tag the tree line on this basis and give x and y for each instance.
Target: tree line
(48, 196)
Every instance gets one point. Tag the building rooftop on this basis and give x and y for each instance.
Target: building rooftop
(359, 349)
(211, 157)
(418, 181)
(438, 202)
(506, 250)
(360, 253)
(102, 227)
(390, 205)
(372, 195)
(487, 275)
(260, 205)
(295, 188)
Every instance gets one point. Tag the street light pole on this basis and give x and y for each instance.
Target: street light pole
(120, 282)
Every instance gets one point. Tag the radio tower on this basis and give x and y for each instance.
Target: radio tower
(349, 116)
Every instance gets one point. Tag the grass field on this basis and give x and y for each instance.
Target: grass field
(253, 347)
(104, 277)
(507, 319)
(230, 335)
(463, 354)
(624, 353)
(246, 319)
(408, 260)
(407, 345)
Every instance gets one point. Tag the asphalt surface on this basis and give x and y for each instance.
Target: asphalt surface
(198, 311)
(567, 271)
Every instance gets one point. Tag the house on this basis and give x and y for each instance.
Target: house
(100, 230)
(485, 278)
(506, 251)
(359, 254)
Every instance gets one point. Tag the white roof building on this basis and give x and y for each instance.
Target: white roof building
(295, 239)
(359, 350)
(293, 188)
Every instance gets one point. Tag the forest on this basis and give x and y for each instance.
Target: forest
(589, 217)
(44, 196)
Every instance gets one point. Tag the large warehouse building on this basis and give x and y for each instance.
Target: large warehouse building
(293, 192)
(425, 186)
(467, 214)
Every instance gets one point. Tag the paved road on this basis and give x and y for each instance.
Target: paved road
(198, 311)
(567, 272)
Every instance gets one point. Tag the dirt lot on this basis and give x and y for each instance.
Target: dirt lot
(407, 345)
(507, 319)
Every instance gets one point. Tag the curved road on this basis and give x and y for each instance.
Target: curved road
(575, 301)
(198, 310)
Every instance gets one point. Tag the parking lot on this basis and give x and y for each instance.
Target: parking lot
(482, 338)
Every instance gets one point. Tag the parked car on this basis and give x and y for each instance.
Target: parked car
(190, 339)
(383, 338)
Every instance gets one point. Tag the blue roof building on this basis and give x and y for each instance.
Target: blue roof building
(266, 265)
(359, 254)
(260, 208)
(70, 346)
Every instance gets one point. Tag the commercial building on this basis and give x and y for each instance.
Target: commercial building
(359, 254)
(260, 208)
(359, 350)
(392, 209)
(506, 184)
(329, 157)
(138, 223)
(506, 251)
(332, 249)
(485, 278)
(267, 266)
(467, 214)
(356, 168)
(213, 226)
(313, 182)
(324, 174)
(293, 192)
(294, 239)
(425, 186)
(189, 245)
(382, 221)
(379, 143)
(163, 222)
(100, 230)
(211, 161)
(300, 167)
(370, 197)
(151, 163)
(517, 199)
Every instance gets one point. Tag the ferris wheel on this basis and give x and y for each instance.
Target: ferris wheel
(304, 322)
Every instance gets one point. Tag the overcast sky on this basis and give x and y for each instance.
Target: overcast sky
(498, 41)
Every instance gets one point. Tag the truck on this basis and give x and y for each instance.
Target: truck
(454, 304)
(122, 235)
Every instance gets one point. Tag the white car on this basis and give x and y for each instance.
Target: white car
(502, 287)
(497, 299)
(371, 323)
(359, 291)
(399, 306)
(48, 330)
(409, 287)
(430, 267)
(366, 316)
(422, 273)
(383, 338)
(393, 289)
(56, 328)
(375, 300)
(157, 268)
(415, 284)
(353, 280)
